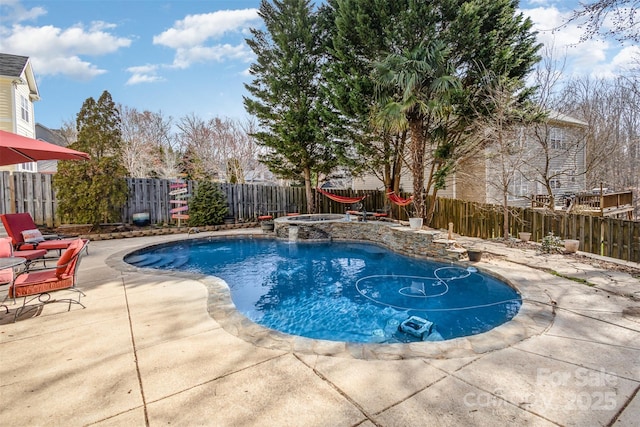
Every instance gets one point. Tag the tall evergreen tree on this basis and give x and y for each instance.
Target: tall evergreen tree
(480, 36)
(94, 191)
(285, 92)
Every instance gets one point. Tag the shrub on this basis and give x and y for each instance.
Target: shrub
(550, 243)
(208, 205)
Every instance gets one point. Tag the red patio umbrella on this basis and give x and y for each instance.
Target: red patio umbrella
(15, 149)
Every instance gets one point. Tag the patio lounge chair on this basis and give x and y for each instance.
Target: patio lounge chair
(26, 236)
(6, 250)
(38, 284)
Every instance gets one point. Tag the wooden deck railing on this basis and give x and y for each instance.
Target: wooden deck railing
(607, 204)
(617, 200)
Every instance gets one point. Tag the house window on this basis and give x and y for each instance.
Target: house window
(519, 187)
(24, 108)
(28, 167)
(557, 139)
(522, 137)
(555, 182)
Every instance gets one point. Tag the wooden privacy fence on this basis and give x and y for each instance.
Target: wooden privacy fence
(29, 192)
(245, 202)
(616, 238)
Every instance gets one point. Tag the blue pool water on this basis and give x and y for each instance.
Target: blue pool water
(354, 292)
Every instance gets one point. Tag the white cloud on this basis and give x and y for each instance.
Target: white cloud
(59, 51)
(185, 57)
(196, 29)
(539, 2)
(189, 36)
(627, 57)
(13, 11)
(623, 61)
(143, 74)
(101, 25)
(583, 57)
(70, 66)
(143, 78)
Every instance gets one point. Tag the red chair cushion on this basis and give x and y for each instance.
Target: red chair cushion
(6, 275)
(64, 267)
(15, 224)
(5, 247)
(48, 244)
(31, 254)
(39, 282)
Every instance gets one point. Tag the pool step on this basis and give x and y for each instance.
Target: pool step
(179, 261)
(146, 260)
(158, 261)
(164, 261)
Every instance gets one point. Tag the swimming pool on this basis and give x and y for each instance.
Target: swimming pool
(351, 292)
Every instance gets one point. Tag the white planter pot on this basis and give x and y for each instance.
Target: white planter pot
(524, 236)
(415, 223)
(571, 246)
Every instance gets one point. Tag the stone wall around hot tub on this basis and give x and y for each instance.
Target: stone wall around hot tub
(401, 239)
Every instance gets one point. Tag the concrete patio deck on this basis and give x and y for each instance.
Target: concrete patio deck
(146, 351)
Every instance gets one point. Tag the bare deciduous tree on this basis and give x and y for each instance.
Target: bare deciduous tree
(69, 131)
(610, 106)
(616, 18)
(147, 149)
(559, 141)
(220, 148)
(502, 129)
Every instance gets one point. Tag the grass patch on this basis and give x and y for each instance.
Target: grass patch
(573, 279)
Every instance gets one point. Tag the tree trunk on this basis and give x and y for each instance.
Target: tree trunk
(308, 191)
(432, 206)
(417, 166)
(505, 214)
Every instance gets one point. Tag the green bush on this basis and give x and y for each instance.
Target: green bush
(208, 205)
(550, 243)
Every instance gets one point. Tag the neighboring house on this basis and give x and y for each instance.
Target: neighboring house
(561, 137)
(52, 136)
(18, 92)
(260, 175)
(552, 153)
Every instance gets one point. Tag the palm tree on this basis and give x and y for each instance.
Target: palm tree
(414, 91)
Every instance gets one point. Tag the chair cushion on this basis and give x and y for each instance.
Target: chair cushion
(6, 248)
(47, 244)
(32, 236)
(37, 283)
(6, 276)
(31, 254)
(15, 223)
(63, 266)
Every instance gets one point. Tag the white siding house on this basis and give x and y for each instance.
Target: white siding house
(18, 92)
(475, 178)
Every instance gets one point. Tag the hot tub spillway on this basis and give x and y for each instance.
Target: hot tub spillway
(168, 260)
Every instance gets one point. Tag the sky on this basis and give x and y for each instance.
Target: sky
(182, 57)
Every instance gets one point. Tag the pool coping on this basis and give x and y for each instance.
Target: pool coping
(535, 316)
